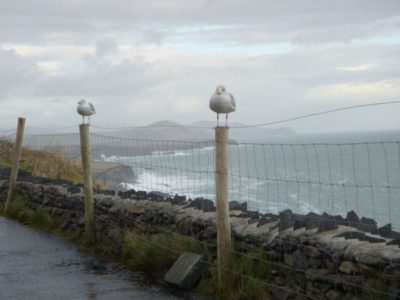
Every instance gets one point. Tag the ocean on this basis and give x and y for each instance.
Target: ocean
(332, 173)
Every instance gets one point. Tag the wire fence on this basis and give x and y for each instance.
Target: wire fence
(270, 177)
(363, 176)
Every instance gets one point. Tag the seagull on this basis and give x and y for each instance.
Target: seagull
(85, 109)
(222, 102)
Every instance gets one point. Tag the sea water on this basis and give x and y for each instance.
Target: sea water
(332, 173)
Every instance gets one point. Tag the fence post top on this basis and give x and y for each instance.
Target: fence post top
(221, 127)
(83, 125)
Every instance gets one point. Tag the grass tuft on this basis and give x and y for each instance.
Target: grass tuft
(25, 216)
(244, 280)
(15, 207)
(157, 252)
(41, 218)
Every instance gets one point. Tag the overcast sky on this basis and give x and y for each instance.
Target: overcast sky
(143, 61)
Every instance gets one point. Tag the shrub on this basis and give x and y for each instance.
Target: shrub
(25, 216)
(40, 218)
(15, 207)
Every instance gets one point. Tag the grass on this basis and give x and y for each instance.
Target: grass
(244, 279)
(41, 163)
(377, 289)
(157, 252)
(37, 218)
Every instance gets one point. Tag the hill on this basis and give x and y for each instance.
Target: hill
(200, 131)
(164, 130)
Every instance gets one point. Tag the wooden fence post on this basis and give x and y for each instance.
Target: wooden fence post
(90, 231)
(224, 243)
(16, 159)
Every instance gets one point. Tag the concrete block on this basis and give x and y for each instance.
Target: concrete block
(186, 271)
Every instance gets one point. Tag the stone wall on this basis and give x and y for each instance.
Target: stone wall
(321, 256)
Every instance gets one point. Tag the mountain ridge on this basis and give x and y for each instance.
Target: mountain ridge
(199, 130)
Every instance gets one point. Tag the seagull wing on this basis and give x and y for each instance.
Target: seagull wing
(232, 100)
(92, 107)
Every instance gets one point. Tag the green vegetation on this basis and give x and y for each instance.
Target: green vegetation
(244, 279)
(376, 289)
(37, 218)
(41, 163)
(157, 252)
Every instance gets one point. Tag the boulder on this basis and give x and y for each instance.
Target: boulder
(327, 225)
(394, 242)
(141, 195)
(109, 192)
(203, 204)
(312, 251)
(186, 271)
(349, 267)
(361, 236)
(312, 220)
(334, 295)
(179, 200)
(368, 225)
(385, 231)
(266, 219)
(352, 219)
(235, 205)
(155, 195)
(74, 189)
(287, 220)
(253, 215)
(322, 275)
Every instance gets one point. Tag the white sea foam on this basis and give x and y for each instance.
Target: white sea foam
(170, 153)
(208, 148)
(173, 184)
(181, 153)
(114, 158)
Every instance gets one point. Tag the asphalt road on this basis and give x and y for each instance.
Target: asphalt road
(38, 265)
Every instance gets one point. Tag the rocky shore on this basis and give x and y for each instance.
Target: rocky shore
(317, 256)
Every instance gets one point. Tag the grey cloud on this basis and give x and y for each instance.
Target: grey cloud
(17, 73)
(106, 46)
(154, 21)
(100, 78)
(267, 86)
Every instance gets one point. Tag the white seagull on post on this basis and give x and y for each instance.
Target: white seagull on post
(85, 109)
(222, 102)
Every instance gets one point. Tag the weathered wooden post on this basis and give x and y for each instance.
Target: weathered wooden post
(224, 242)
(16, 159)
(90, 231)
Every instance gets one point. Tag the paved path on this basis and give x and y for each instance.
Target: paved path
(38, 265)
